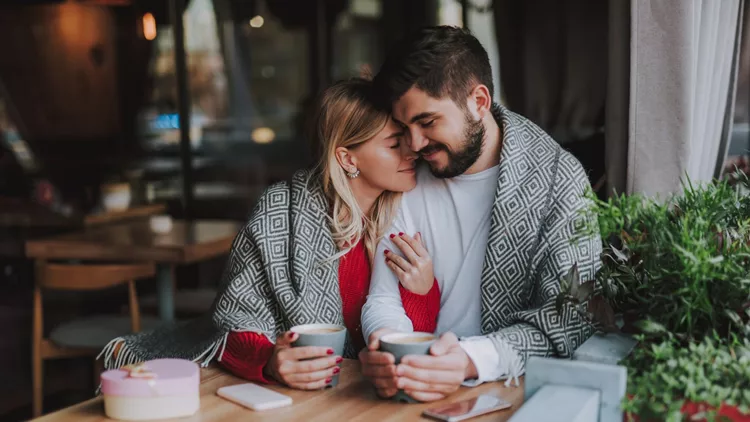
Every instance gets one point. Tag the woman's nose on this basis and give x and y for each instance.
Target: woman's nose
(407, 153)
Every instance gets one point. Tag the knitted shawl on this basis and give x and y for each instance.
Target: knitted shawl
(280, 273)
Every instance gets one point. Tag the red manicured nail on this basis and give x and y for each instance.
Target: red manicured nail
(339, 359)
(328, 380)
(400, 233)
(329, 351)
(336, 370)
(386, 252)
(392, 236)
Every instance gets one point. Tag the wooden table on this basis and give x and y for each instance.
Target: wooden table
(137, 211)
(187, 242)
(352, 400)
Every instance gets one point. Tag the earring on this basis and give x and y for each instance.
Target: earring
(353, 175)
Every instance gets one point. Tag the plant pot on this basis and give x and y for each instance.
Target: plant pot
(727, 412)
(689, 409)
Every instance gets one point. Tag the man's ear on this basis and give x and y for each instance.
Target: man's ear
(480, 101)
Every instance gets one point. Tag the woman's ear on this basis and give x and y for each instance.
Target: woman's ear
(346, 160)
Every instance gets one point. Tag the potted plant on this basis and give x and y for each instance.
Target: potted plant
(678, 274)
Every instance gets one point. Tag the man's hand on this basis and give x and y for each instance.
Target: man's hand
(435, 376)
(379, 367)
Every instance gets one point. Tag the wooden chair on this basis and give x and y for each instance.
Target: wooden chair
(187, 302)
(83, 336)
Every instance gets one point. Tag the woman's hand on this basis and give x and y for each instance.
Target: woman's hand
(288, 365)
(415, 272)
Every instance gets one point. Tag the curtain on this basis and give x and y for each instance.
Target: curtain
(618, 98)
(553, 59)
(682, 53)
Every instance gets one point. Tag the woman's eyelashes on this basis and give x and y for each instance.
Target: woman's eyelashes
(399, 139)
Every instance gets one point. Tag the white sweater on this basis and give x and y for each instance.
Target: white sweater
(453, 217)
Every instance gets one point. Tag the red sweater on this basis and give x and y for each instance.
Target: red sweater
(246, 352)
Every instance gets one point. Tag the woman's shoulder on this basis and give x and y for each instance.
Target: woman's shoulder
(278, 196)
(305, 179)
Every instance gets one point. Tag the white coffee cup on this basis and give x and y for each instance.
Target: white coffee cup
(161, 224)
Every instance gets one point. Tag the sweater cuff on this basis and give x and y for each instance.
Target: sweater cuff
(246, 354)
(494, 360)
(423, 310)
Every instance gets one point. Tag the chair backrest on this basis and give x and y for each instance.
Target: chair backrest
(89, 276)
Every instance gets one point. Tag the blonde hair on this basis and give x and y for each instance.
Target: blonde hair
(346, 118)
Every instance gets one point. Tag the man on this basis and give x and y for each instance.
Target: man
(501, 210)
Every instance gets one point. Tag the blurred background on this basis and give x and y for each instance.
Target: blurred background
(198, 115)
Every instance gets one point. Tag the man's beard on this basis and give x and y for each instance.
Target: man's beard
(460, 161)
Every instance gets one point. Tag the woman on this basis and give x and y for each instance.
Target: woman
(304, 256)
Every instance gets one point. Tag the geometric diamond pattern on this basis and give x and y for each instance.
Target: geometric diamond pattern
(536, 235)
(278, 274)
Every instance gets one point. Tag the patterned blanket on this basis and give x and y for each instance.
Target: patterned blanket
(541, 225)
(279, 274)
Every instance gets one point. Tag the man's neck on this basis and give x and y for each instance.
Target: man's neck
(493, 143)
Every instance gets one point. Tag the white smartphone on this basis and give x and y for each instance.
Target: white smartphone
(254, 396)
(466, 409)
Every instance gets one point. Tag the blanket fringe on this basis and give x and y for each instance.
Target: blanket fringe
(127, 356)
(515, 367)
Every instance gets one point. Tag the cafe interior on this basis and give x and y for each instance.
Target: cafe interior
(137, 135)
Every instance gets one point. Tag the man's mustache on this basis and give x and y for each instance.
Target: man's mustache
(429, 149)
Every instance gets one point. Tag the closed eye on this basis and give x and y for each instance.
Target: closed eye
(398, 137)
(427, 124)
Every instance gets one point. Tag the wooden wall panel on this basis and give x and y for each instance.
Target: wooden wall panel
(58, 64)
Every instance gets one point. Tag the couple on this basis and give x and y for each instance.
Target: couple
(472, 250)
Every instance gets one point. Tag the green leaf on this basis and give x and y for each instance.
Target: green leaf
(559, 303)
(603, 314)
(572, 280)
(621, 256)
(734, 317)
(585, 290)
(686, 253)
(716, 259)
(650, 327)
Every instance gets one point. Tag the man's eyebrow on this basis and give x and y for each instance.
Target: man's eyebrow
(421, 116)
(398, 122)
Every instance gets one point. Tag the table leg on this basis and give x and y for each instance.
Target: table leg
(165, 291)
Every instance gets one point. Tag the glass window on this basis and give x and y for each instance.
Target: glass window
(260, 138)
(357, 43)
(248, 82)
(249, 79)
(481, 23)
(739, 143)
(10, 140)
